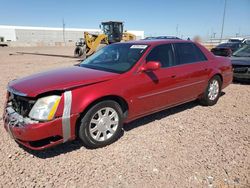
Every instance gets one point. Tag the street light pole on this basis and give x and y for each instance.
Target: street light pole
(223, 20)
(177, 30)
(63, 32)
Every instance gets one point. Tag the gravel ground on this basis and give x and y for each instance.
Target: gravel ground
(186, 146)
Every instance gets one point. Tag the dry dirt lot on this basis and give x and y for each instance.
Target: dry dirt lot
(186, 146)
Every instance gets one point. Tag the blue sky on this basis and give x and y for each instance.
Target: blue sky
(155, 17)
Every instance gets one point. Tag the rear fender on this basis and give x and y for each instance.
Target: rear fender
(216, 72)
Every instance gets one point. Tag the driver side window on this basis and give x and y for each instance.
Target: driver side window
(163, 54)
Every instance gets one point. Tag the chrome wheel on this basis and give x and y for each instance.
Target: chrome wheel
(103, 124)
(213, 90)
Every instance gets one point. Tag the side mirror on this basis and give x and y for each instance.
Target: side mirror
(150, 66)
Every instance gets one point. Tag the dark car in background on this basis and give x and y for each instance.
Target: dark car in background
(226, 49)
(241, 63)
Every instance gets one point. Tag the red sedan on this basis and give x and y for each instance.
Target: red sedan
(119, 83)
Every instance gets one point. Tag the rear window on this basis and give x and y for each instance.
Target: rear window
(188, 53)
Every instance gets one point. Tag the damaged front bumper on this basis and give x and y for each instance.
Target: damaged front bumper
(34, 134)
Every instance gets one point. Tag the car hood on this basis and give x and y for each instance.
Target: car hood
(58, 80)
(240, 60)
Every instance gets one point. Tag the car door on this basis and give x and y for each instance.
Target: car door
(150, 89)
(182, 77)
(191, 72)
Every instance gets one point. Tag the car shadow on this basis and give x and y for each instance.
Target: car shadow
(159, 115)
(76, 144)
(162, 114)
(54, 151)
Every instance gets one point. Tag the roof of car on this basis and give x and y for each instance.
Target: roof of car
(157, 41)
(236, 42)
(161, 37)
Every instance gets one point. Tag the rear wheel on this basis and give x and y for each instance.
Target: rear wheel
(101, 125)
(212, 92)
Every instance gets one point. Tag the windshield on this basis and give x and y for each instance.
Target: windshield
(107, 29)
(116, 58)
(243, 52)
(234, 40)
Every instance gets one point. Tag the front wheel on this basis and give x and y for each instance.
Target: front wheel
(101, 125)
(212, 92)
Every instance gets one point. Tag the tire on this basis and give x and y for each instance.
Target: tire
(80, 51)
(209, 97)
(98, 129)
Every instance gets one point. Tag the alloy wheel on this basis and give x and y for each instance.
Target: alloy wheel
(103, 124)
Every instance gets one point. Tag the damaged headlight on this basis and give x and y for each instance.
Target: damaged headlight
(45, 108)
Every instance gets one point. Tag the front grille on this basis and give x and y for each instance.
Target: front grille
(241, 66)
(22, 105)
(241, 70)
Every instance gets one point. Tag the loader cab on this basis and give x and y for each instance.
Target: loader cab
(113, 30)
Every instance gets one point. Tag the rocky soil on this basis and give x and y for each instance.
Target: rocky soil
(186, 146)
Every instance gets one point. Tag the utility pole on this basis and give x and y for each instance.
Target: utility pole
(63, 32)
(177, 30)
(223, 20)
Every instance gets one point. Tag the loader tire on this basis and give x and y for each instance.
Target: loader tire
(80, 51)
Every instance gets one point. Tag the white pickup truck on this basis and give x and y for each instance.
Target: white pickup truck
(239, 39)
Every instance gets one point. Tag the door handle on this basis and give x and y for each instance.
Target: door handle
(173, 76)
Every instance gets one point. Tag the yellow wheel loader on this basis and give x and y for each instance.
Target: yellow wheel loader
(112, 32)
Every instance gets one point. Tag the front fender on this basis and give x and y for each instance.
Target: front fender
(83, 97)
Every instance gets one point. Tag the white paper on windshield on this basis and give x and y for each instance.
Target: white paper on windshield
(139, 46)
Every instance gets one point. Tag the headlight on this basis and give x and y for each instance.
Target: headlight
(45, 108)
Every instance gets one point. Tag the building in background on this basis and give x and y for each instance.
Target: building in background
(47, 36)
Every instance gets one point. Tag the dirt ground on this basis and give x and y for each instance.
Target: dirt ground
(186, 146)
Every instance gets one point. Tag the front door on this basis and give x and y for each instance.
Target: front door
(150, 89)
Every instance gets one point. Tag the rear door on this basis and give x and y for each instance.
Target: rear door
(191, 71)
